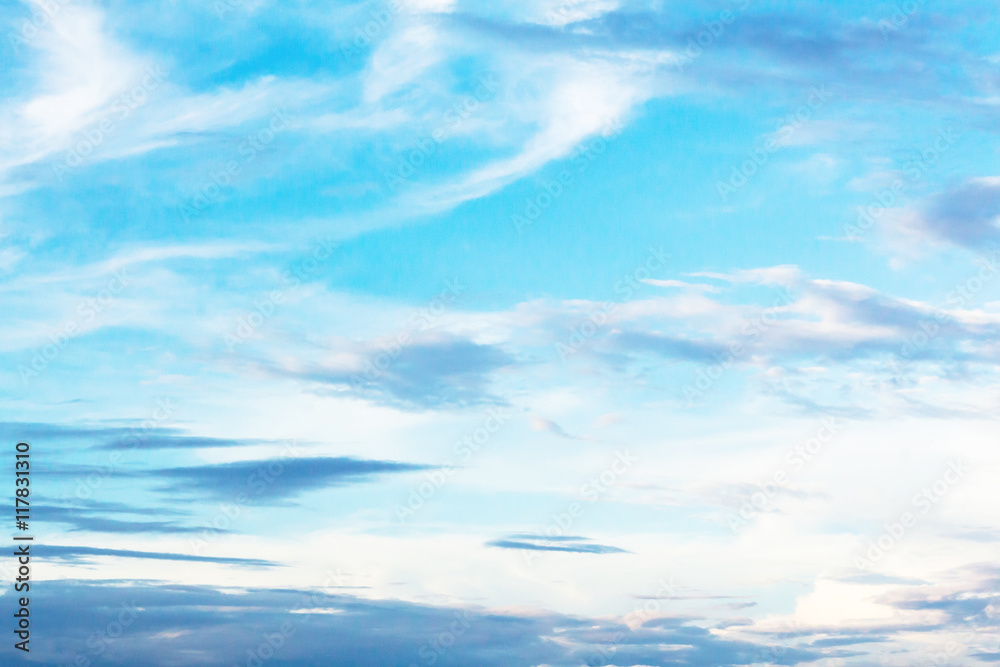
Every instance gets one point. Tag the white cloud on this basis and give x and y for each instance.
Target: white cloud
(578, 99)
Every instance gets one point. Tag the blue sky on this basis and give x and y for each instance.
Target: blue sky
(513, 333)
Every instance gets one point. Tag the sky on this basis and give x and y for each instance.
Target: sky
(549, 333)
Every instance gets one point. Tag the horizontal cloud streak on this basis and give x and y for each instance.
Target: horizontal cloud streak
(275, 479)
(580, 545)
(222, 625)
(80, 554)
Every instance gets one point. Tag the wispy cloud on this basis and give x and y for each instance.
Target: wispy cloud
(276, 479)
(566, 543)
(82, 554)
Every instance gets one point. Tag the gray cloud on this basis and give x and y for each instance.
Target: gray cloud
(570, 544)
(118, 437)
(966, 214)
(275, 479)
(76, 554)
(82, 519)
(444, 373)
(220, 626)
